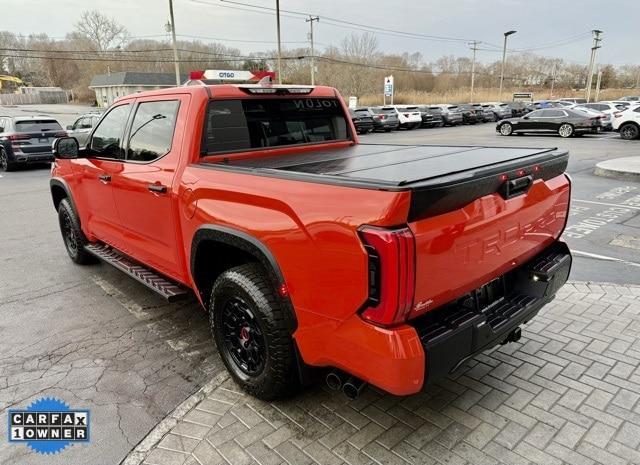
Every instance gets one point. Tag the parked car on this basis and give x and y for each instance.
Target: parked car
(428, 118)
(630, 98)
(562, 103)
(82, 127)
(451, 114)
(627, 122)
(488, 114)
(480, 116)
(409, 117)
(500, 110)
(436, 114)
(573, 100)
(517, 108)
(27, 139)
(308, 249)
(362, 120)
(384, 118)
(607, 109)
(468, 113)
(566, 122)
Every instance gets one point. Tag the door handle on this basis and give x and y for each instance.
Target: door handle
(157, 188)
(104, 178)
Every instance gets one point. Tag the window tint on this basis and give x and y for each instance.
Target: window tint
(637, 109)
(107, 136)
(36, 125)
(245, 124)
(152, 130)
(553, 113)
(536, 114)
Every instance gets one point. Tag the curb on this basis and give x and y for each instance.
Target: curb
(624, 169)
(140, 451)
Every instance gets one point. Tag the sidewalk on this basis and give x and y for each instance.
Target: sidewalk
(566, 393)
(625, 169)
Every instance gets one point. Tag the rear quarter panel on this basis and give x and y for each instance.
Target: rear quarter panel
(310, 229)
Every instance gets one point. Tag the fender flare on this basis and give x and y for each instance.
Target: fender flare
(246, 243)
(61, 183)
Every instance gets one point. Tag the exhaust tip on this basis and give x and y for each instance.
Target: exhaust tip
(353, 388)
(334, 381)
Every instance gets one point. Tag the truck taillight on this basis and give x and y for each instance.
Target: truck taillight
(391, 274)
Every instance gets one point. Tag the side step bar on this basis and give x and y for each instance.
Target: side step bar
(154, 281)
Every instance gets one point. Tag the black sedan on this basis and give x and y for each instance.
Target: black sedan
(562, 121)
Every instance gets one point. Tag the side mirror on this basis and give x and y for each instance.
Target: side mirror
(69, 127)
(525, 117)
(65, 148)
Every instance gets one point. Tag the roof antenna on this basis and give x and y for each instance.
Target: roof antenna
(266, 81)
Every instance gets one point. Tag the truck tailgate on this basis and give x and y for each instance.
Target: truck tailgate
(463, 249)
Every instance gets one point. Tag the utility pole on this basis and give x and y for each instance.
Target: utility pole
(175, 46)
(279, 43)
(553, 78)
(474, 46)
(504, 57)
(598, 85)
(592, 61)
(310, 20)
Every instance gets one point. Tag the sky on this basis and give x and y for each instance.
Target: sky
(554, 28)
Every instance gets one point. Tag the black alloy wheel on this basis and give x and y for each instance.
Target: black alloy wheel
(243, 338)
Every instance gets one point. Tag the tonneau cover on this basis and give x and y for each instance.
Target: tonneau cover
(391, 166)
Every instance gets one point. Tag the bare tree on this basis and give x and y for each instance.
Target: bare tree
(103, 32)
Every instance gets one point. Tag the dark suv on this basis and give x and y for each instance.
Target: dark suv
(468, 113)
(27, 139)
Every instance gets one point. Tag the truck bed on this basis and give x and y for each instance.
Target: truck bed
(441, 177)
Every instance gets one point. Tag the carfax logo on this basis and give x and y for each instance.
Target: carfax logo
(48, 425)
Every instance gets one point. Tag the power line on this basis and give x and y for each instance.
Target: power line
(330, 20)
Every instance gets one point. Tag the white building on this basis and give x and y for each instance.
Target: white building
(109, 87)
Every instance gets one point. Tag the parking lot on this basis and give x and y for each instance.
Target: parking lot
(567, 392)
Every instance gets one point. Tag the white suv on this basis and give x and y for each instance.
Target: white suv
(409, 117)
(627, 122)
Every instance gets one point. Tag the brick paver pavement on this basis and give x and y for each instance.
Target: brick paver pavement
(566, 393)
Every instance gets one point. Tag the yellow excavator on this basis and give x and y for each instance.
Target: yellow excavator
(15, 80)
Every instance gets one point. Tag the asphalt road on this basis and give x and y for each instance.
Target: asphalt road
(99, 340)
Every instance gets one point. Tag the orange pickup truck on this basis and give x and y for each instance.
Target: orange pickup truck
(382, 264)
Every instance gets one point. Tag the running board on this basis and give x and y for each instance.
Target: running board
(154, 281)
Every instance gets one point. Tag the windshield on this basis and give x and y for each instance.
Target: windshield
(37, 125)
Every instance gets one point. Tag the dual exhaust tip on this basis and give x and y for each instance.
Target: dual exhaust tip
(351, 386)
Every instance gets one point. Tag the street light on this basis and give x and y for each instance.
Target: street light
(504, 57)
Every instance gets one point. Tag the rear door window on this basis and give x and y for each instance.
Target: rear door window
(234, 125)
(38, 125)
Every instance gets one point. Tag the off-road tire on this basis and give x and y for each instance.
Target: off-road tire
(249, 283)
(72, 235)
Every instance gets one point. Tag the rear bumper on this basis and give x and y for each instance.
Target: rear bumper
(38, 157)
(480, 320)
(401, 360)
